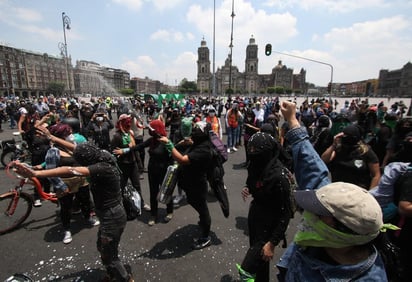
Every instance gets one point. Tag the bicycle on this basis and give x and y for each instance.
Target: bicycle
(16, 205)
(15, 150)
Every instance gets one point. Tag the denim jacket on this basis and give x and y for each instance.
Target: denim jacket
(312, 173)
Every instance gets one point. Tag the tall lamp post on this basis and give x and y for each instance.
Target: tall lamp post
(214, 52)
(231, 50)
(315, 61)
(63, 46)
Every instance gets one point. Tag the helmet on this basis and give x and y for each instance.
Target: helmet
(74, 124)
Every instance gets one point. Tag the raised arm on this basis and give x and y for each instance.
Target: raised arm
(310, 171)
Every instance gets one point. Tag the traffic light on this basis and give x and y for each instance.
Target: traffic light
(268, 49)
(330, 88)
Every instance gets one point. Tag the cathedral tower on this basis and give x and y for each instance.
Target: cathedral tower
(203, 68)
(251, 67)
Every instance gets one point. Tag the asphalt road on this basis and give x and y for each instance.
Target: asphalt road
(158, 253)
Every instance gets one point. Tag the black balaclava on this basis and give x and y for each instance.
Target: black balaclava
(200, 132)
(87, 154)
(261, 148)
(352, 136)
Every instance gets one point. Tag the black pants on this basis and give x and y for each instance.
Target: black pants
(112, 224)
(155, 180)
(66, 205)
(197, 197)
(259, 222)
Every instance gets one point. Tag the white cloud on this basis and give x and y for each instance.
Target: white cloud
(339, 6)
(369, 46)
(184, 65)
(170, 36)
(166, 4)
(134, 5)
(28, 15)
(248, 22)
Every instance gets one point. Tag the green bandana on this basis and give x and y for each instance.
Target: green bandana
(125, 138)
(313, 232)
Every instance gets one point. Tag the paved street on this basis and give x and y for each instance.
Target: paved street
(158, 253)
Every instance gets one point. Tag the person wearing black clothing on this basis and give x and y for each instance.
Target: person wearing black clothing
(192, 177)
(99, 127)
(268, 216)
(100, 168)
(123, 139)
(159, 160)
(321, 137)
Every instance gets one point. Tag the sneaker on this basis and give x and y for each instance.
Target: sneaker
(67, 237)
(228, 150)
(201, 243)
(76, 211)
(93, 221)
(178, 199)
(146, 207)
(37, 203)
(168, 217)
(234, 149)
(151, 221)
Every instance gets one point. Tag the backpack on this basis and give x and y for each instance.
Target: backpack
(215, 175)
(218, 146)
(131, 202)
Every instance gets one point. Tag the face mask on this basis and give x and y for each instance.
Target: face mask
(70, 138)
(99, 119)
(349, 140)
(212, 114)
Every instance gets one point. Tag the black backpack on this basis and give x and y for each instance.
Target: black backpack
(215, 175)
(131, 202)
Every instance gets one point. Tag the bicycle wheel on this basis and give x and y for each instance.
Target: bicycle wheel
(7, 157)
(13, 212)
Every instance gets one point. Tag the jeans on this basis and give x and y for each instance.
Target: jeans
(112, 223)
(232, 134)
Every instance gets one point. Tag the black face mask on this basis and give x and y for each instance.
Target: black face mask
(407, 148)
(349, 141)
(403, 131)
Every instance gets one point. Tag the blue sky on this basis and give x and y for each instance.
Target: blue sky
(159, 38)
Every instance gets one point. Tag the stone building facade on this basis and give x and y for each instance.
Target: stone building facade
(92, 78)
(26, 73)
(396, 83)
(249, 81)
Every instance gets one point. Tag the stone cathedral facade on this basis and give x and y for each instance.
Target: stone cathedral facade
(249, 81)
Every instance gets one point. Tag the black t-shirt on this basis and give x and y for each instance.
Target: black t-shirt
(194, 174)
(105, 185)
(353, 168)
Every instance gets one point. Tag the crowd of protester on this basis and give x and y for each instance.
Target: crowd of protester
(339, 154)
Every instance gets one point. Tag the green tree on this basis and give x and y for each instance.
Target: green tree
(56, 88)
(279, 90)
(126, 91)
(186, 86)
(271, 90)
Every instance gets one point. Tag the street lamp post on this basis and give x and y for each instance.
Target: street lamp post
(63, 47)
(315, 61)
(214, 52)
(231, 51)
